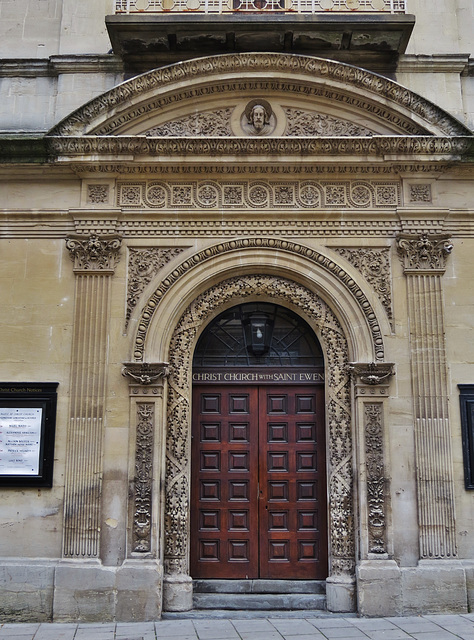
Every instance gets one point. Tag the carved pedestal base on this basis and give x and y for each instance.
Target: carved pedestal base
(340, 594)
(177, 593)
(379, 588)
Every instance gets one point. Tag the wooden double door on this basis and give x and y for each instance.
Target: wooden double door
(258, 483)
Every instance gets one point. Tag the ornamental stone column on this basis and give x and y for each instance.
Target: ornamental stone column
(146, 410)
(95, 258)
(424, 260)
(378, 576)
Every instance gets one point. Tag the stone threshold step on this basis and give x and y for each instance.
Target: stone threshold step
(260, 586)
(226, 614)
(267, 602)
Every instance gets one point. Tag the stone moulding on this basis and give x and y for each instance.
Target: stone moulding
(94, 114)
(338, 413)
(376, 146)
(261, 243)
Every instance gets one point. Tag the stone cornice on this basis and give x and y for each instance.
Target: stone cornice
(445, 63)
(56, 65)
(375, 147)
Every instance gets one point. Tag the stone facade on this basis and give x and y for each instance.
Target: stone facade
(136, 209)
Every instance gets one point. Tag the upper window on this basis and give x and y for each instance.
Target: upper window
(258, 334)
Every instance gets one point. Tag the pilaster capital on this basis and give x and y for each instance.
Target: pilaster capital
(424, 254)
(371, 378)
(94, 254)
(145, 374)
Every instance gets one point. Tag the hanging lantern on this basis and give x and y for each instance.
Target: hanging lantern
(258, 328)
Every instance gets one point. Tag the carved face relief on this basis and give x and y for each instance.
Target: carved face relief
(258, 118)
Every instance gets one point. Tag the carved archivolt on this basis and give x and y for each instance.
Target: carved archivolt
(199, 258)
(338, 411)
(334, 81)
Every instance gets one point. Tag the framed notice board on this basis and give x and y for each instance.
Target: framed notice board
(466, 398)
(27, 428)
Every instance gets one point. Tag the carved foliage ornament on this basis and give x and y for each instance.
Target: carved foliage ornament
(338, 408)
(143, 265)
(424, 253)
(94, 253)
(373, 414)
(142, 516)
(354, 78)
(374, 265)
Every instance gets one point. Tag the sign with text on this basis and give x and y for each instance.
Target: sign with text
(267, 375)
(27, 426)
(20, 440)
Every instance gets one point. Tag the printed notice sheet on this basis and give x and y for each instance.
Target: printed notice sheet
(20, 440)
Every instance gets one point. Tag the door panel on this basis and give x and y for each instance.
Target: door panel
(258, 490)
(292, 511)
(224, 514)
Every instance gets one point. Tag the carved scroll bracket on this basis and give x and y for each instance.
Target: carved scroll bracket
(371, 379)
(425, 254)
(145, 378)
(94, 254)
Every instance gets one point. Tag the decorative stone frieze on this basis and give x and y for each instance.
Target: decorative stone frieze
(94, 261)
(374, 265)
(252, 194)
(424, 258)
(149, 148)
(301, 122)
(94, 253)
(143, 265)
(338, 416)
(207, 123)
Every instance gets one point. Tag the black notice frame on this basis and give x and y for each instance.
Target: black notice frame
(467, 425)
(27, 429)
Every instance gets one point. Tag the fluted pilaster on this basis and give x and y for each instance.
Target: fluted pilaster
(424, 258)
(94, 263)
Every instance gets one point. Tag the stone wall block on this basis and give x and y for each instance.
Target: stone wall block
(379, 588)
(28, 593)
(437, 587)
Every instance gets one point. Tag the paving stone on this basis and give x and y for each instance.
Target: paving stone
(294, 627)
(388, 634)
(175, 628)
(329, 623)
(344, 633)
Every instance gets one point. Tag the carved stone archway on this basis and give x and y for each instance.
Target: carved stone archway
(338, 419)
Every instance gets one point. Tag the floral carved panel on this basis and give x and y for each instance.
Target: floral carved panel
(374, 265)
(338, 412)
(143, 265)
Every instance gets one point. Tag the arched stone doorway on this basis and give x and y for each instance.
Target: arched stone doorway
(334, 344)
(258, 459)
